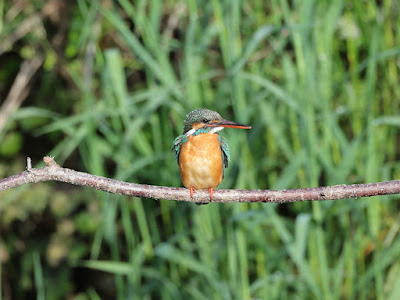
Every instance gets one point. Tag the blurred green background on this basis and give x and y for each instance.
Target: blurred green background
(111, 84)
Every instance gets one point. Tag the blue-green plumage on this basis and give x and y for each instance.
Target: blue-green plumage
(225, 150)
(177, 144)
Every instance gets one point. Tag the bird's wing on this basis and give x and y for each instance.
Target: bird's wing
(177, 144)
(225, 150)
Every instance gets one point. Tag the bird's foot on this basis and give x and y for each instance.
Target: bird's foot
(211, 191)
(191, 192)
(191, 189)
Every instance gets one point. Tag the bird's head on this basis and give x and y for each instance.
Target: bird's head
(208, 119)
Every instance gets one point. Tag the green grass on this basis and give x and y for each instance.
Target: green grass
(318, 82)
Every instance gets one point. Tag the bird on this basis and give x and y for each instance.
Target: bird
(202, 154)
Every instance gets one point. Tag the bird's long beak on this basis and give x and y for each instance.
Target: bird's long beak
(228, 124)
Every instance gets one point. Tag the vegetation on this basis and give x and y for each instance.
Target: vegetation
(317, 80)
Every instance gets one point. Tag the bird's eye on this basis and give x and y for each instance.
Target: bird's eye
(206, 121)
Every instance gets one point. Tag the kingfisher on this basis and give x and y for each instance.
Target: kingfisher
(203, 154)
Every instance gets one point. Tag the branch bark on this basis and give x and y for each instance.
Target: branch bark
(53, 172)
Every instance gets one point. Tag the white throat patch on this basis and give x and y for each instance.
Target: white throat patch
(190, 132)
(216, 129)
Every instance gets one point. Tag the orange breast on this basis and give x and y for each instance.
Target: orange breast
(200, 161)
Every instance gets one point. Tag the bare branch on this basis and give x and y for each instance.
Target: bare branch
(53, 172)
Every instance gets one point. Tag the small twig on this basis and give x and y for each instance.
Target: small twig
(28, 164)
(53, 172)
(28, 24)
(20, 89)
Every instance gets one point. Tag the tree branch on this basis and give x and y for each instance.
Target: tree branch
(53, 172)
